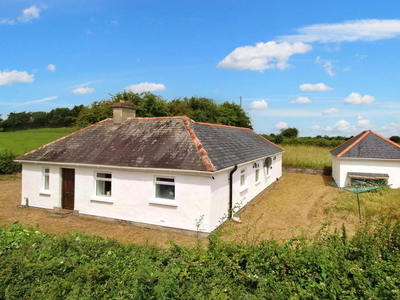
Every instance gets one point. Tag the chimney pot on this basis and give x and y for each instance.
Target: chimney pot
(122, 111)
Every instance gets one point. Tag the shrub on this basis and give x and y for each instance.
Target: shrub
(7, 164)
(34, 265)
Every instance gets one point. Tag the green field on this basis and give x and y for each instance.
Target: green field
(306, 156)
(26, 140)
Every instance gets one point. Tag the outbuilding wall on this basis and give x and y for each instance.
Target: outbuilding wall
(132, 196)
(220, 188)
(392, 168)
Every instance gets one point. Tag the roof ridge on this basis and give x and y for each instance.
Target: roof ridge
(158, 118)
(64, 137)
(346, 141)
(199, 146)
(221, 125)
(386, 139)
(355, 143)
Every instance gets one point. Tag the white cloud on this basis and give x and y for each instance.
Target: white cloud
(392, 129)
(357, 99)
(29, 14)
(281, 125)
(9, 77)
(7, 21)
(361, 56)
(316, 127)
(330, 111)
(301, 100)
(83, 91)
(342, 126)
(37, 101)
(259, 104)
(263, 56)
(347, 69)
(363, 123)
(319, 87)
(145, 87)
(359, 117)
(349, 31)
(51, 68)
(327, 64)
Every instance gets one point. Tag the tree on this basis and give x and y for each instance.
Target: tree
(290, 132)
(395, 139)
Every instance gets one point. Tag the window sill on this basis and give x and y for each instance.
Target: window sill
(102, 199)
(45, 193)
(258, 182)
(268, 176)
(163, 202)
(243, 188)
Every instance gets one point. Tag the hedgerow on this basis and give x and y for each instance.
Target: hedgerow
(7, 164)
(35, 265)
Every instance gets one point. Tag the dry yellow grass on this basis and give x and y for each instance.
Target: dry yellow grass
(294, 204)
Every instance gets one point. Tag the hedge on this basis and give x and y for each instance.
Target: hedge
(35, 265)
(7, 164)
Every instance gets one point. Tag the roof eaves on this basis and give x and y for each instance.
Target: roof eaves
(353, 144)
(64, 137)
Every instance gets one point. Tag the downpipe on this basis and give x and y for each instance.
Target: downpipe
(230, 211)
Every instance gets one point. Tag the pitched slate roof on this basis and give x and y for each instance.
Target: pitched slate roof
(167, 143)
(368, 144)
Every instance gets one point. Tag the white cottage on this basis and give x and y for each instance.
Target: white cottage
(366, 156)
(166, 171)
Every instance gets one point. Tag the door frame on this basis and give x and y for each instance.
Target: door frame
(62, 187)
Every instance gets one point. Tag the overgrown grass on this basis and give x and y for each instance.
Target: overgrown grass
(34, 265)
(306, 156)
(23, 141)
(375, 204)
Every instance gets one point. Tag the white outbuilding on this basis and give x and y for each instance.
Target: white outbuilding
(166, 171)
(367, 156)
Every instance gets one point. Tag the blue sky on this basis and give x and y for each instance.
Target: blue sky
(325, 67)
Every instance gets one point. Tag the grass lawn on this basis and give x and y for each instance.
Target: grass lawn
(306, 156)
(26, 140)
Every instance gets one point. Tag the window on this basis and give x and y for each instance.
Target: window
(257, 174)
(46, 179)
(243, 177)
(103, 184)
(165, 188)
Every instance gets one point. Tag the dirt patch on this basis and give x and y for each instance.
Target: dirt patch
(293, 205)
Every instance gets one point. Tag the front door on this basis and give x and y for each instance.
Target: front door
(68, 188)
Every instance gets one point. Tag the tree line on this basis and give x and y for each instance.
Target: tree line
(147, 105)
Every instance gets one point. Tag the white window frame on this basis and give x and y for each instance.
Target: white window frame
(164, 201)
(43, 190)
(243, 186)
(255, 174)
(105, 198)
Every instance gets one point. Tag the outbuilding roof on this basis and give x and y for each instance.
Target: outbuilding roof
(368, 144)
(166, 142)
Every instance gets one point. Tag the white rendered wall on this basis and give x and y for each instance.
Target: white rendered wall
(336, 170)
(392, 168)
(220, 188)
(131, 193)
(32, 186)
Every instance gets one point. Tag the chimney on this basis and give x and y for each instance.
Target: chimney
(123, 110)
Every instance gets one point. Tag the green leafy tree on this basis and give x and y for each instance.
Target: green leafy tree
(290, 132)
(395, 139)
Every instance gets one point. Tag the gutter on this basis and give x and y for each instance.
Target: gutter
(230, 212)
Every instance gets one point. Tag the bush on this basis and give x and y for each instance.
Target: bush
(34, 265)
(7, 164)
